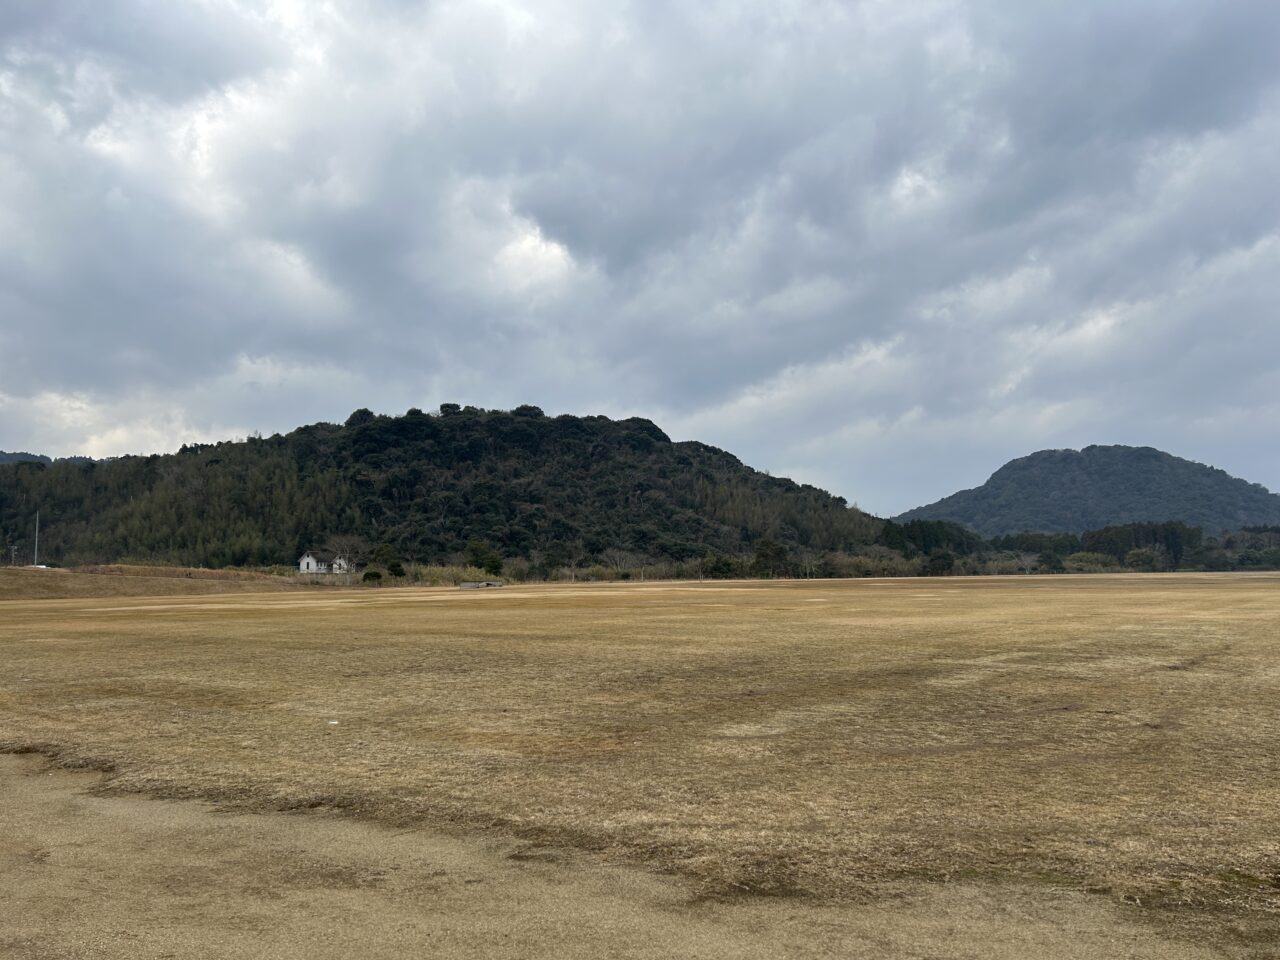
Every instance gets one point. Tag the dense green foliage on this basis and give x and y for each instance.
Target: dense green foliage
(1256, 548)
(534, 496)
(1057, 544)
(1172, 539)
(929, 536)
(1072, 491)
(1147, 546)
(558, 490)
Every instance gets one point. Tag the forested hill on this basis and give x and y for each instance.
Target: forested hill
(564, 488)
(22, 458)
(36, 458)
(1073, 491)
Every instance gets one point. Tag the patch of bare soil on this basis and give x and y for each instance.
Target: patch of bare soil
(103, 877)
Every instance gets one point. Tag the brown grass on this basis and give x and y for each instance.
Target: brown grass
(127, 580)
(1116, 734)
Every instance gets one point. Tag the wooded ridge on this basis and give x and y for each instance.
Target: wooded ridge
(563, 488)
(1070, 491)
(550, 496)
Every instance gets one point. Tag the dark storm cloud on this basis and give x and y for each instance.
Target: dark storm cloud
(882, 247)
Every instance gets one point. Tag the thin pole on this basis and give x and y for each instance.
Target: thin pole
(35, 558)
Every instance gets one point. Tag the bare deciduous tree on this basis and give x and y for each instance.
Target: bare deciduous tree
(356, 549)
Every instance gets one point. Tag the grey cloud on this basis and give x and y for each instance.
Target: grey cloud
(884, 247)
(151, 48)
(1080, 74)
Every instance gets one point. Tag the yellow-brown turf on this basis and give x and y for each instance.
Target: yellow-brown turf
(1108, 743)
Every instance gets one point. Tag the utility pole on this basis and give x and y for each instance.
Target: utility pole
(35, 557)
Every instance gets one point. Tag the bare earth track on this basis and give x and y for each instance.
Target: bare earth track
(1057, 767)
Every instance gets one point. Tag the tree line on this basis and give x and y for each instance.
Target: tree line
(528, 495)
(554, 490)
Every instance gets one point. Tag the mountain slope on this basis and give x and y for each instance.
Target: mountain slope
(525, 483)
(1073, 491)
(22, 458)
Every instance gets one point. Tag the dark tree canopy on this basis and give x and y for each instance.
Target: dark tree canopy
(521, 483)
(1173, 539)
(1072, 491)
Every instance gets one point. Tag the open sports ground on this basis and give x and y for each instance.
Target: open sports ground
(988, 767)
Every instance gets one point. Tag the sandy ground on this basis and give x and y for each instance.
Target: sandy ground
(86, 876)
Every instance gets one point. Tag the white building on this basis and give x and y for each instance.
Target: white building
(310, 563)
(313, 561)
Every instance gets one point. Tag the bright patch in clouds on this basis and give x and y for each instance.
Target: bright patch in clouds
(530, 262)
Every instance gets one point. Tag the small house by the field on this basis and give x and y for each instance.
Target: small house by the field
(479, 584)
(316, 561)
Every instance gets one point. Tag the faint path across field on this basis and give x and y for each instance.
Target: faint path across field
(83, 876)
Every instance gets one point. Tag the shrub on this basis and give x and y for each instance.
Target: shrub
(1086, 561)
(939, 564)
(1143, 558)
(1051, 563)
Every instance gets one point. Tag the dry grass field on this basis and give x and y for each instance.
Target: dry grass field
(122, 580)
(1105, 750)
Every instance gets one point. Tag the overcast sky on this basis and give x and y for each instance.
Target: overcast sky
(881, 247)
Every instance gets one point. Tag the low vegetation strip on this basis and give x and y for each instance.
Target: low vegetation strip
(822, 739)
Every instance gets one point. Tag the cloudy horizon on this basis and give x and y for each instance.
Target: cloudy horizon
(878, 247)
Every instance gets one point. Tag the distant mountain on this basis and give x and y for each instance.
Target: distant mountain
(39, 458)
(1076, 490)
(560, 488)
(22, 458)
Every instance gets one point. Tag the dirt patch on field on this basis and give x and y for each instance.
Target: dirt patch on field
(85, 876)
